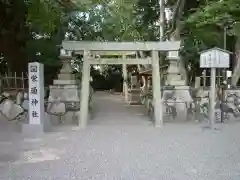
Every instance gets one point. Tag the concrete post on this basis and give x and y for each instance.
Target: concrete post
(84, 91)
(157, 98)
(1, 87)
(204, 78)
(125, 85)
(212, 97)
(146, 85)
(146, 90)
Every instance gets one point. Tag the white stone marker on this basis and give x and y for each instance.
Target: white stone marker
(214, 58)
(36, 93)
(36, 111)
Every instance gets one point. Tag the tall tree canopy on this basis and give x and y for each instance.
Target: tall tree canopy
(31, 30)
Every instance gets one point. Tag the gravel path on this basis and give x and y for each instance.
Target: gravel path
(121, 144)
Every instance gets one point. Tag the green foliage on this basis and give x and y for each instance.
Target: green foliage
(48, 21)
(221, 13)
(204, 28)
(44, 16)
(146, 14)
(212, 18)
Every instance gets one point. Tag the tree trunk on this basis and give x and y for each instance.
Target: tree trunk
(236, 70)
(176, 37)
(176, 34)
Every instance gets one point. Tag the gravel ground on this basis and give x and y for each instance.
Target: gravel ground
(121, 144)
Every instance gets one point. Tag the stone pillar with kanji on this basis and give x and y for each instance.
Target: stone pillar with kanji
(37, 123)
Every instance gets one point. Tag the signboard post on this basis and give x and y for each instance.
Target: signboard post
(214, 58)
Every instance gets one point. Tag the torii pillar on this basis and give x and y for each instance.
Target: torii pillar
(157, 97)
(84, 104)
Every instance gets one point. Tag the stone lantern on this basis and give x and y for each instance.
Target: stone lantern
(180, 95)
(64, 94)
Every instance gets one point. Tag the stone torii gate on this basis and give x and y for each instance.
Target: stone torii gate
(89, 47)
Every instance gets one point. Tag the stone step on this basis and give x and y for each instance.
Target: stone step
(64, 82)
(177, 83)
(65, 77)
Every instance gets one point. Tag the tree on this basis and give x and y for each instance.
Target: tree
(35, 37)
(13, 33)
(215, 17)
(23, 24)
(189, 23)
